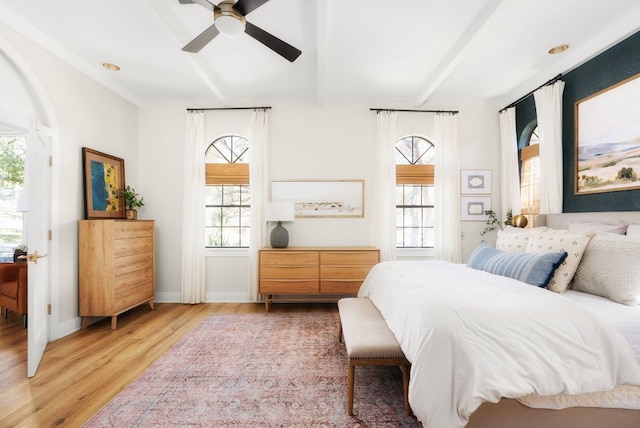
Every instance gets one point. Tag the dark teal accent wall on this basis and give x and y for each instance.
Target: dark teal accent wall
(610, 67)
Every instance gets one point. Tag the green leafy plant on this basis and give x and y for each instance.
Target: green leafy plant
(493, 223)
(132, 200)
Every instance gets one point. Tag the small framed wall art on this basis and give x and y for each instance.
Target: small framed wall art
(103, 177)
(475, 182)
(472, 208)
(321, 198)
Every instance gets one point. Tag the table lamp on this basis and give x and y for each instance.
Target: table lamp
(280, 211)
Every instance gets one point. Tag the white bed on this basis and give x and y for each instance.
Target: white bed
(476, 338)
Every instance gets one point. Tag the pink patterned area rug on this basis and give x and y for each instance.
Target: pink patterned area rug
(258, 370)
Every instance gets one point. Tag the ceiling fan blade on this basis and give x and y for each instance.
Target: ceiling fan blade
(248, 6)
(204, 3)
(195, 45)
(272, 42)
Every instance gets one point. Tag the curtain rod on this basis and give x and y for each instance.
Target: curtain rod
(522, 98)
(228, 108)
(414, 111)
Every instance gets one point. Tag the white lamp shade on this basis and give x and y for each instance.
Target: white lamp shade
(280, 211)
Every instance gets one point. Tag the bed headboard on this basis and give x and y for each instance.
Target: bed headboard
(560, 221)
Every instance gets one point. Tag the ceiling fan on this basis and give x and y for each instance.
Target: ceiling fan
(229, 19)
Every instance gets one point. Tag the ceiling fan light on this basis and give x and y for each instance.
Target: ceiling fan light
(229, 25)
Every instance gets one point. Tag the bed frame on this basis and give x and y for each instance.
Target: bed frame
(560, 221)
(508, 413)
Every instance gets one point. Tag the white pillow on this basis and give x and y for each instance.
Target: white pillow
(598, 227)
(610, 268)
(514, 239)
(551, 241)
(633, 229)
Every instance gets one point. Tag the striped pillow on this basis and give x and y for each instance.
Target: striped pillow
(532, 268)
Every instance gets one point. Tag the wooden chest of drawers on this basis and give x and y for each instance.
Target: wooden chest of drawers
(313, 273)
(116, 267)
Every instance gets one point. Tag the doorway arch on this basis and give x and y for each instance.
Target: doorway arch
(35, 112)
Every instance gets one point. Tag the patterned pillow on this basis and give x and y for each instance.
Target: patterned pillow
(514, 239)
(534, 269)
(610, 268)
(573, 243)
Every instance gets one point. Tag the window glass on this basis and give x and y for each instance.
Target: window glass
(227, 204)
(415, 201)
(530, 172)
(13, 151)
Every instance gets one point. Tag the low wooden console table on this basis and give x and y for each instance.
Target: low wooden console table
(313, 273)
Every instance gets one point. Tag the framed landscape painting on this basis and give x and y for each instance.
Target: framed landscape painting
(607, 132)
(321, 198)
(103, 177)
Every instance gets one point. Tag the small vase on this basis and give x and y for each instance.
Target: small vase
(131, 214)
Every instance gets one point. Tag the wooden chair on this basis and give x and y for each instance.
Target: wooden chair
(13, 289)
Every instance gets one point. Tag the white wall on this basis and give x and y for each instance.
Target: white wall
(335, 141)
(88, 114)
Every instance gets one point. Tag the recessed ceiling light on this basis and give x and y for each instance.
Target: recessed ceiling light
(558, 49)
(110, 66)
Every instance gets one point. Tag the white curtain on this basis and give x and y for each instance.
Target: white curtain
(258, 151)
(549, 112)
(447, 239)
(193, 212)
(510, 178)
(384, 187)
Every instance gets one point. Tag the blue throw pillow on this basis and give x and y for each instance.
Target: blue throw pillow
(533, 268)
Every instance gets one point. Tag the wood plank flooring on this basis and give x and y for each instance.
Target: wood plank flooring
(81, 372)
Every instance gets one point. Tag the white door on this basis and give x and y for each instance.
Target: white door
(38, 183)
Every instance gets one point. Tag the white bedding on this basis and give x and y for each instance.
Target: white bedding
(473, 337)
(625, 319)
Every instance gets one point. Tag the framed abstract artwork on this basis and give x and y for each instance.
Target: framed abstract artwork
(607, 139)
(475, 181)
(472, 208)
(103, 178)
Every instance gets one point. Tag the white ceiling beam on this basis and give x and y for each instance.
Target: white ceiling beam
(182, 38)
(321, 34)
(457, 53)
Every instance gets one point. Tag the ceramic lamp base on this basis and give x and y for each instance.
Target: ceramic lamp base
(279, 236)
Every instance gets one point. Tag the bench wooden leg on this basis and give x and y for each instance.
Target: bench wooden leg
(405, 387)
(350, 382)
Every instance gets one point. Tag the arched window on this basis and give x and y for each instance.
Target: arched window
(414, 192)
(530, 170)
(228, 204)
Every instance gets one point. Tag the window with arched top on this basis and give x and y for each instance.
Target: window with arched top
(414, 192)
(529, 154)
(228, 197)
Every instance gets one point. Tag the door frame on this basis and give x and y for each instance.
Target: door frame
(42, 110)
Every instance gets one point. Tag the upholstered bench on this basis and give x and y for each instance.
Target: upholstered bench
(369, 342)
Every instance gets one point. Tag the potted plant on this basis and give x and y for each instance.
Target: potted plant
(132, 201)
(20, 253)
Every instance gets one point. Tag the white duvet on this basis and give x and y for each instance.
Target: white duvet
(473, 337)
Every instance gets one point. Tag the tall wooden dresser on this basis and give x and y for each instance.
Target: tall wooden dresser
(313, 273)
(116, 267)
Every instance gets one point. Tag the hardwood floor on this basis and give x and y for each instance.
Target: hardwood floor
(81, 372)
